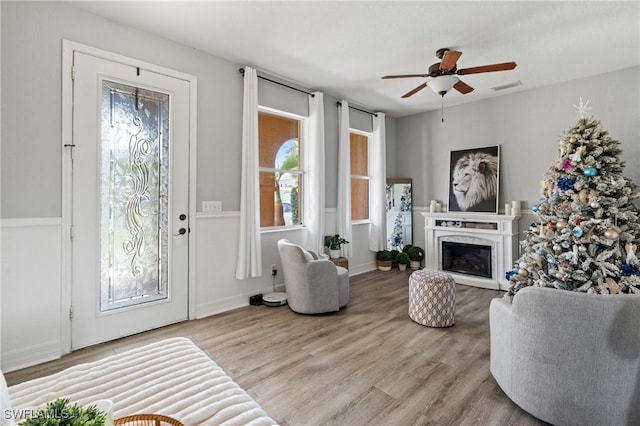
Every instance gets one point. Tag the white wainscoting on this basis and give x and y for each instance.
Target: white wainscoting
(218, 289)
(31, 287)
(31, 291)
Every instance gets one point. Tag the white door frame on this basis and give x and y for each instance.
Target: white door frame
(68, 48)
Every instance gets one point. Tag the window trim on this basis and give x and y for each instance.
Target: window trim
(300, 172)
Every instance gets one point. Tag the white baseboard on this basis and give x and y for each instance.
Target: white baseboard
(362, 268)
(226, 304)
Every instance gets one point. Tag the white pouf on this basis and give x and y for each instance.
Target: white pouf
(432, 298)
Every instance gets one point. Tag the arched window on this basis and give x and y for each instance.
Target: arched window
(280, 172)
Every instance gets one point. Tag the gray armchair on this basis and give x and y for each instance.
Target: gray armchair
(313, 286)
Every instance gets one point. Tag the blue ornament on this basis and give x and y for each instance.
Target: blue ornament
(555, 195)
(629, 269)
(577, 231)
(542, 199)
(535, 208)
(590, 171)
(510, 274)
(565, 183)
(552, 260)
(541, 252)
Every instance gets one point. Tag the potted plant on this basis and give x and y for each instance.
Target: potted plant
(416, 255)
(384, 260)
(334, 242)
(403, 260)
(63, 412)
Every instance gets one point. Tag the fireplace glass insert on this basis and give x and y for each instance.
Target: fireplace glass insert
(469, 259)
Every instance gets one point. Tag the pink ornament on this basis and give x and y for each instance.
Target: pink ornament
(567, 164)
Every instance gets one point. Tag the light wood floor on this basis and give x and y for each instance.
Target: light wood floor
(368, 364)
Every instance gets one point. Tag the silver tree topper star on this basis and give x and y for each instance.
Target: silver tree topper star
(583, 109)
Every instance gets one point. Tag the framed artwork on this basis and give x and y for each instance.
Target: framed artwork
(474, 178)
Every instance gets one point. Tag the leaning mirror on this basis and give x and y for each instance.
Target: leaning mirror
(399, 228)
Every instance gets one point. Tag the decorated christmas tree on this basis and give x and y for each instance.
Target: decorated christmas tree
(586, 232)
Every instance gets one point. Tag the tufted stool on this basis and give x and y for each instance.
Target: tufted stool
(432, 298)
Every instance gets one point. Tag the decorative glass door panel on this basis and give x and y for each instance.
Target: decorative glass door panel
(134, 200)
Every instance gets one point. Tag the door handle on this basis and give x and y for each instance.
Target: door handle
(183, 216)
(181, 231)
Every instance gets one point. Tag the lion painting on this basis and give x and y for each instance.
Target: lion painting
(474, 182)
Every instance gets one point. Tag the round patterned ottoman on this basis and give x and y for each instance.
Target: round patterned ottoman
(432, 298)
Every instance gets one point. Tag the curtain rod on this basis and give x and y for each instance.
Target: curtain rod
(241, 71)
(358, 109)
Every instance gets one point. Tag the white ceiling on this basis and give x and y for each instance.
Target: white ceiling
(343, 48)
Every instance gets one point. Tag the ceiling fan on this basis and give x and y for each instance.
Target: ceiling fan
(444, 74)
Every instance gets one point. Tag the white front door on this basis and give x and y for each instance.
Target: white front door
(130, 225)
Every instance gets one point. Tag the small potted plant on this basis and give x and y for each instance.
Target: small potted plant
(63, 412)
(384, 260)
(416, 255)
(403, 260)
(394, 255)
(334, 243)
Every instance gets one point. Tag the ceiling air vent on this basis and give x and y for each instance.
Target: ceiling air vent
(507, 86)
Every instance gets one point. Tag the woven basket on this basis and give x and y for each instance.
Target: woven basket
(147, 420)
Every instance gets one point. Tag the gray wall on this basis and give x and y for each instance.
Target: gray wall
(527, 125)
(31, 168)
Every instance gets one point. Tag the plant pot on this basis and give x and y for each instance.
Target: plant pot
(402, 266)
(415, 264)
(384, 265)
(334, 254)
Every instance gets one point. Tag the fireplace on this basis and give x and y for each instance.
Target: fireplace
(469, 259)
(476, 249)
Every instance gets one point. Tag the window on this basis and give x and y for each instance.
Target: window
(280, 173)
(359, 143)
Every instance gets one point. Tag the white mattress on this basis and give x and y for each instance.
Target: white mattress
(172, 377)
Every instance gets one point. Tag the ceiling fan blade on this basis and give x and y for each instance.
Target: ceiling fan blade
(463, 87)
(414, 91)
(449, 60)
(405, 76)
(505, 66)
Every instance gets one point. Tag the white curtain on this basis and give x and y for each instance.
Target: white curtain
(313, 193)
(343, 219)
(249, 249)
(377, 188)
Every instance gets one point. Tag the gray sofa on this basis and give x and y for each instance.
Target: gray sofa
(569, 358)
(313, 285)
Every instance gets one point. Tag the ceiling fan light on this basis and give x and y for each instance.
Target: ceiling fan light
(443, 84)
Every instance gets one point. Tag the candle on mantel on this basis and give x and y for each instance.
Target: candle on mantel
(507, 209)
(515, 208)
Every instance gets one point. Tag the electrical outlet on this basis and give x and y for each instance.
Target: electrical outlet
(212, 206)
(274, 270)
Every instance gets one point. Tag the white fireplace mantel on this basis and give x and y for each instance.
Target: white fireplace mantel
(500, 232)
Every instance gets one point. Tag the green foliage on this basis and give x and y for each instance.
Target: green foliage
(62, 413)
(416, 254)
(294, 206)
(384, 255)
(334, 242)
(406, 248)
(395, 253)
(403, 258)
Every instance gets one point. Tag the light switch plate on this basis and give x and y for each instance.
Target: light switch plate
(212, 206)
